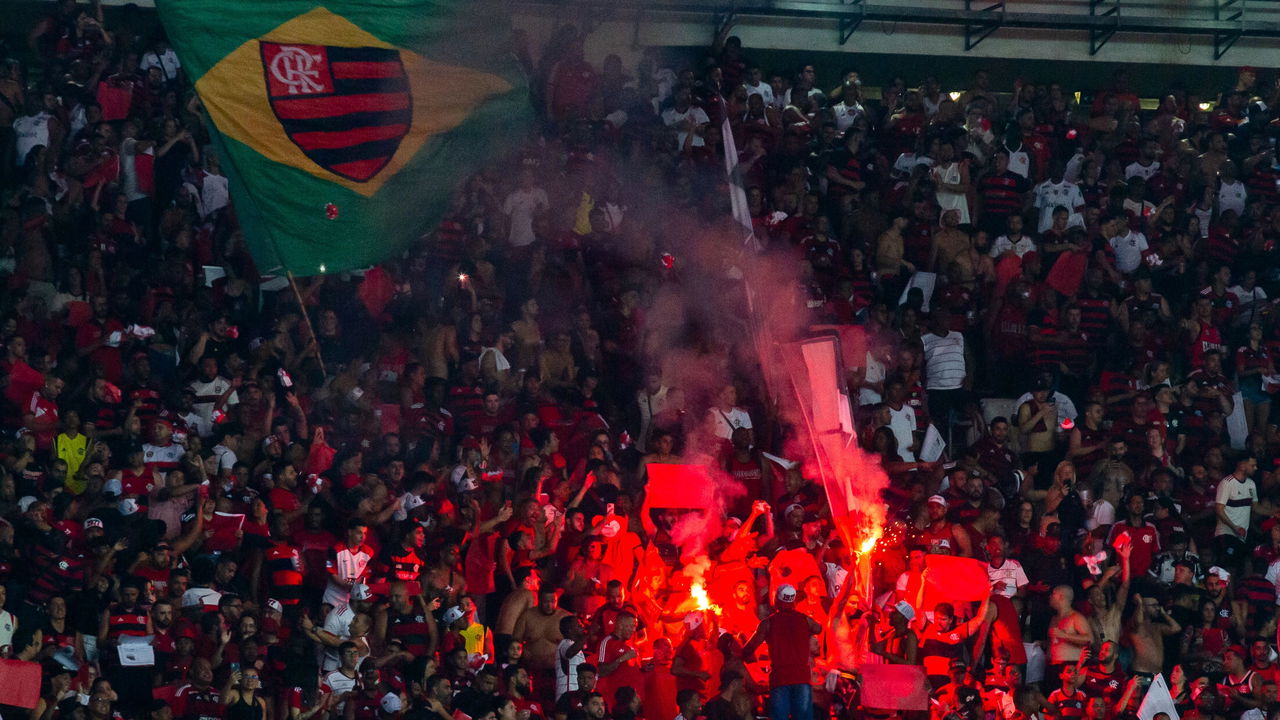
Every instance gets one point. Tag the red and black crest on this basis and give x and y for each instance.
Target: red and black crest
(346, 108)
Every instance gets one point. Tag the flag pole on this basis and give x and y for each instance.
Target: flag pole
(306, 317)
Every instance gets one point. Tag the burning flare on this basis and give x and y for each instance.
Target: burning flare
(869, 544)
(699, 593)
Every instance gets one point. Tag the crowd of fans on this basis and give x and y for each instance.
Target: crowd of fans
(419, 490)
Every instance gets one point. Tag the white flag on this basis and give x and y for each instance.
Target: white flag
(737, 193)
(1158, 700)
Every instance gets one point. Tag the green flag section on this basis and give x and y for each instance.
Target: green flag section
(345, 127)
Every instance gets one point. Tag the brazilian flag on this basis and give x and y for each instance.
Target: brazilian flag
(345, 126)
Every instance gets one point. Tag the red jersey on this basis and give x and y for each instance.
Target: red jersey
(1146, 544)
(44, 410)
(627, 674)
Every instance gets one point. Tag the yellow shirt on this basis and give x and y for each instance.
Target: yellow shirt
(72, 450)
(473, 638)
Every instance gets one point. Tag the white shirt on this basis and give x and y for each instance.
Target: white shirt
(1137, 169)
(846, 115)
(521, 205)
(350, 565)
(1104, 513)
(32, 130)
(765, 91)
(167, 61)
(1011, 574)
(724, 423)
(1232, 196)
(1049, 195)
(944, 361)
(567, 681)
(1128, 249)
(1003, 244)
(674, 118)
(1273, 577)
(338, 624)
(215, 194)
(339, 684)
(6, 629)
(1238, 497)
(207, 394)
(902, 423)
(1249, 297)
(226, 457)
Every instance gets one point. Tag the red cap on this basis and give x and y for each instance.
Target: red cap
(1238, 650)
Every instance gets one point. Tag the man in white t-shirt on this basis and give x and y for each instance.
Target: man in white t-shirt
(1146, 166)
(1006, 574)
(522, 207)
(1234, 502)
(686, 118)
(1127, 244)
(1057, 192)
(214, 394)
(945, 369)
(756, 85)
(163, 57)
(902, 419)
(726, 416)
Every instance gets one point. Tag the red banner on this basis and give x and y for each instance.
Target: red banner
(19, 683)
(679, 486)
(894, 687)
(954, 580)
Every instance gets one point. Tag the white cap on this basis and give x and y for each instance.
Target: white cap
(453, 614)
(1219, 573)
(112, 486)
(694, 620)
(93, 522)
(938, 499)
(787, 594)
(905, 610)
(26, 502)
(128, 506)
(274, 606)
(611, 528)
(360, 591)
(391, 703)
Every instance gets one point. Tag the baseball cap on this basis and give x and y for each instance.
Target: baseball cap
(905, 610)
(112, 486)
(390, 703)
(360, 591)
(128, 506)
(693, 620)
(794, 506)
(94, 522)
(1238, 650)
(787, 594)
(26, 502)
(274, 606)
(453, 614)
(1219, 573)
(938, 500)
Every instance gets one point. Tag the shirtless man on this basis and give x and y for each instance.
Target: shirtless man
(1069, 631)
(1151, 624)
(520, 599)
(539, 629)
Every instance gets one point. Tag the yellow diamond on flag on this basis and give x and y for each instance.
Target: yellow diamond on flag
(320, 94)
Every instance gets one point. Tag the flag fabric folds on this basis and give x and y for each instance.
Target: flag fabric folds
(345, 127)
